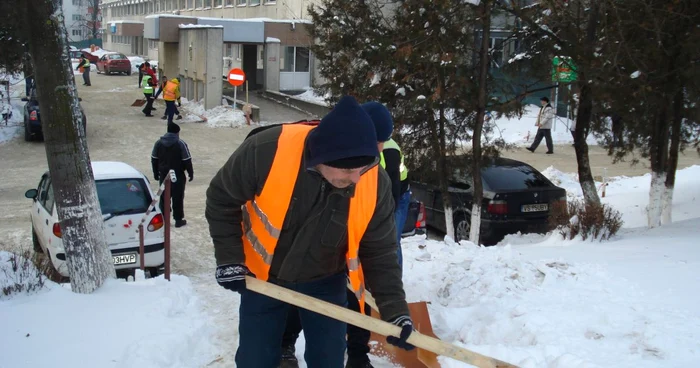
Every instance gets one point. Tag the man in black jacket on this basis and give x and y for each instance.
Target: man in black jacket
(171, 153)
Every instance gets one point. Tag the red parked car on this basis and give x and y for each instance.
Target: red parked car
(114, 63)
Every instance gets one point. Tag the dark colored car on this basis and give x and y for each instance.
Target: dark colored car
(32, 117)
(114, 63)
(517, 198)
(415, 220)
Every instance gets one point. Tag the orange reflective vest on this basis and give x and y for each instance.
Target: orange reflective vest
(263, 216)
(169, 92)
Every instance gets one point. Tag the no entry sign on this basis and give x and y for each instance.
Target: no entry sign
(236, 77)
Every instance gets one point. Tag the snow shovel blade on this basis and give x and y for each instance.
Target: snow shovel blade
(139, 103)
(416, 357)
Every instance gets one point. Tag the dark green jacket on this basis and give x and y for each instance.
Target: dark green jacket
(313, 241)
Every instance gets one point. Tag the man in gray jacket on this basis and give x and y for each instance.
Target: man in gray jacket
(545, 119)
(310, 253)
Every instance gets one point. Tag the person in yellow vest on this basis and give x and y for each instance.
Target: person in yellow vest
(148, 88)
(307, 208)
(171, 93)
(84, 63)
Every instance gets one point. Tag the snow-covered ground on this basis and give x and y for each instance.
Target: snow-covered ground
(311, 96)
(124, 324)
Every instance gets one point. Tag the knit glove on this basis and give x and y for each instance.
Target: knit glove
(232, 276)
(406, 325)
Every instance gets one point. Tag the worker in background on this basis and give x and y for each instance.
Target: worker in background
(307, 208)
(171, 153)
(171, 93)
(391, 160)
(85, 65)
(163, 83)
(149, 82)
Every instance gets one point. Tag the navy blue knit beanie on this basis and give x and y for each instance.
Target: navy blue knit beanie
(345, 138)
(381, 117)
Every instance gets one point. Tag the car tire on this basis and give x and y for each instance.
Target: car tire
(462, 224)
(27, 131)
(154, 271)
(128, 72)
(35, 242)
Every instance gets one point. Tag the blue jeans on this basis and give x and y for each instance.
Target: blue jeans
(400, 216)
(170, 110)
(263, 320)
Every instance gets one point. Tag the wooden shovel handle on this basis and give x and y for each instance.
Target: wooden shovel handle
(372, 324)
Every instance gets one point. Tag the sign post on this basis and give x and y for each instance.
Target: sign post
(563, 70)
(236, 77)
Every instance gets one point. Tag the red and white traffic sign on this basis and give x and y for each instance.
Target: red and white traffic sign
(236, 77)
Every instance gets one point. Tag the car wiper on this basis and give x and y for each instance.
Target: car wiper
(119, 213)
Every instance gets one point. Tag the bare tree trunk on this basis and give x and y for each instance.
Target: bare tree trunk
(95, 16)
(672, 166)
(444, 177)
(478, 191)
(87, 254)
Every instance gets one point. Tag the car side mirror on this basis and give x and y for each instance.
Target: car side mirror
(31, 193)
(25, 99)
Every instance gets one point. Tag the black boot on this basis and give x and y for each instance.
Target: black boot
(180, 223)
(289, 360)
(362, 364)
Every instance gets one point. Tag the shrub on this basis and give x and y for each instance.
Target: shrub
(19, 273)
(577, 218)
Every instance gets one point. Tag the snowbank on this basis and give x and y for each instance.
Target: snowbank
(137, 60)
(535, 306)
(311, 96)
(219, 116)
(630, 195)
(123, 324)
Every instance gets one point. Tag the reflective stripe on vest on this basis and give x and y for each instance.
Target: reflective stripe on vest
(263, 216)
(169, 91)
(391, 144)
(147, 88)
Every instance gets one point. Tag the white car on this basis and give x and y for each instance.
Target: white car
(125, 195)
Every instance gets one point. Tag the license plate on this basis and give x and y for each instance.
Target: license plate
(123, 259)
(535, 207)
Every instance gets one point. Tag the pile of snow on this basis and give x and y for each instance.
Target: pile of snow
(14, 125)
(559, 304)
(630, 195)
(98, 52)
(522, 131)
(219, 116)
(123, 324)
(311, 96)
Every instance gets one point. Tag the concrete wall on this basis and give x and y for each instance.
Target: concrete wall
(272, 66)
(168, 59)
(201, 64)
(169, 31)
(238, 30)
(297, 35)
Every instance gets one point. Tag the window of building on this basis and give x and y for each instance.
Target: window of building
(198, 4)
(496, 46)
(254, 2)
(242, 2)
(76, 32)
(270, 1)
(77, 2)
(218, 3)
(77, 17)
(294, 59)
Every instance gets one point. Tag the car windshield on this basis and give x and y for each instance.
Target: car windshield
(513, 177)
(117, 195)
(117, 57)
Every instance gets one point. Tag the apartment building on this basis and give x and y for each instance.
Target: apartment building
(78, 19)
(150, 28)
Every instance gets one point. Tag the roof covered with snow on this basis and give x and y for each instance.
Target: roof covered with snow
(192, 26)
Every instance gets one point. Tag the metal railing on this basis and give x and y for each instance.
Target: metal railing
(163, 189)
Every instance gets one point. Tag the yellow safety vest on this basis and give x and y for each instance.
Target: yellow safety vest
(391, 144)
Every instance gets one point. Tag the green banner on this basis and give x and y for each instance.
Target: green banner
(563, 70)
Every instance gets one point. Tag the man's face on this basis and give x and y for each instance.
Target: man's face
(340, 178)
(543, 102)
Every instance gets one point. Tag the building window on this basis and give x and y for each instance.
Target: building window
(242, 2)
(294, 59)
(270, 1)
(77, 2)
(496, 45)
(229, 2)
(198, 4)
(254, 2)
(76, 32)
(77, 17)
(218, 3)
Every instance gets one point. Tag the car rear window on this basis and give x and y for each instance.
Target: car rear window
(513, 177)
(117, 195)
(117, 57)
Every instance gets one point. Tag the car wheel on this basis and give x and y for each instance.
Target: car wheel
(52, 273)
(27, 131)
(35, 242)
(462, 226)
(128, 72)
(153, 271)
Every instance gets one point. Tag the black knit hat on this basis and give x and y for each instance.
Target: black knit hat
(173, 128)
(345, 138)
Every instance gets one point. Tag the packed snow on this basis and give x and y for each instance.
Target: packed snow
(151, 322)
(311, 96)
(219, 116)
(137, 60)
